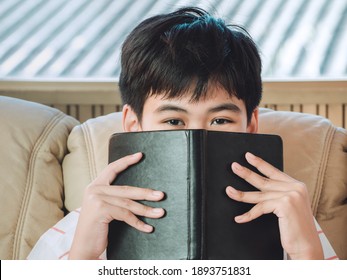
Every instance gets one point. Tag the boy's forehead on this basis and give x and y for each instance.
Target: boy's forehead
(213, 92)
(214, 98)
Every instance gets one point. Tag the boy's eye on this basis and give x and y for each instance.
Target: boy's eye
(220, 121)
(175, 122)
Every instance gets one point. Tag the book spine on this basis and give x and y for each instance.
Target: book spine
(196, 192)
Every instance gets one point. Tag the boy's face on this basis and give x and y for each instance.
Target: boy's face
(218, 111)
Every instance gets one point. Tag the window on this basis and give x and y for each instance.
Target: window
(82, 38)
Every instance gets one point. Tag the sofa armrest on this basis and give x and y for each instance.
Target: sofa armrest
(33, 145)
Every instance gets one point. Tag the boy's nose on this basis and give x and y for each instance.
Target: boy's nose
(197, 125)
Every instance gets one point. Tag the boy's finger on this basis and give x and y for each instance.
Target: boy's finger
(267, 169)
(135, 193)
(125, 205)
(130, 192)
(260, 182)
(258, 210)
(256, 180)
(252, 197)
(135, 222)
(110, 172)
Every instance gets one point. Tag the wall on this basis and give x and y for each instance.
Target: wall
(86, 99)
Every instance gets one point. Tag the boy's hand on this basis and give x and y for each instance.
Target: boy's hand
(288, 199)
(103, 203)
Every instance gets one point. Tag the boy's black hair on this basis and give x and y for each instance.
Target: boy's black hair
(184, 51)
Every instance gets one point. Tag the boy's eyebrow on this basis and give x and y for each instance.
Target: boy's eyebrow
(169, 107)
(226, 106)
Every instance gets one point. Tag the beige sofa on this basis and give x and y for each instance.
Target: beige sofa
(48, 158)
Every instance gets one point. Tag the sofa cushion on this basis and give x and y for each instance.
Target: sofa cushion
(314, 153)
(33, 145)
(88, 155)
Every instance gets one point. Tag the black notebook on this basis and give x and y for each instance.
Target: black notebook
(193, 169)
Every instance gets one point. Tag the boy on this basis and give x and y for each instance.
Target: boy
(188, 70)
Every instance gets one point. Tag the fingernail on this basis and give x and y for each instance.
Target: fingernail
(237, 166)
(250, 155)
(238, 219)
(231, 190)
(157, 193)
(157, 210)
(136, 154)
(147, 228)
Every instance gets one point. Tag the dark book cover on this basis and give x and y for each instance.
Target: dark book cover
(193, 169)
